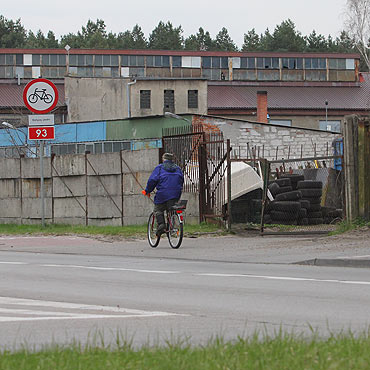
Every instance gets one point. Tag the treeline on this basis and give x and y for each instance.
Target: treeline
(165, 36)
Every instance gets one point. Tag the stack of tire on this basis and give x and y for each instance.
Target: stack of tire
(286, 207)
(311, 199)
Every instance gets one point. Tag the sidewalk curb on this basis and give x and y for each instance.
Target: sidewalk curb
(337, 262)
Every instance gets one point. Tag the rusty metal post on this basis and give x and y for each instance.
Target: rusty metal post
(266, 175)
(202, 181)
(228, 163)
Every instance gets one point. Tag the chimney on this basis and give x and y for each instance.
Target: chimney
(262, 106)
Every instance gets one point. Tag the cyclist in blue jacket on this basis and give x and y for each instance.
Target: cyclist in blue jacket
(168, 179)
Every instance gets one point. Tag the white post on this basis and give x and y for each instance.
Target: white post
(42, 183)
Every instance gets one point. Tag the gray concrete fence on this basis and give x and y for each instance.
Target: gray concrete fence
(86, 189)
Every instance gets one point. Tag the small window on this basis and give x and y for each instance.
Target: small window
(169, 101)
(158, 61)
(140, 61)
(176, 61)
(108, 147)
(333, 126)
(98, 147)
(124, 60)
(224, 62)
(193, 99)
(35, 59)
(280, 122)
(9, 59)
(206, 62)
(150, 61)
(216, 62)
(116, 146)
(132, 61)
(145, 99)
(98, 60)
(81, 148)
(106, 60)
(19, 59)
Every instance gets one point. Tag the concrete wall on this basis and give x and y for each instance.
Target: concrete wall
(91, 99)
(157, 88)
(273, 142)
(92, 189)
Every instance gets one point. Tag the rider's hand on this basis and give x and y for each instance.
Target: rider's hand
(145, 193)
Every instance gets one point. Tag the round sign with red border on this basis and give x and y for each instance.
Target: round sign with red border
(40, 96)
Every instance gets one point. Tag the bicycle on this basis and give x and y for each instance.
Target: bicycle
(174, 226)
(40, 94)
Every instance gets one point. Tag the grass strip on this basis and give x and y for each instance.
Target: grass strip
(285, 351)
(124, 231)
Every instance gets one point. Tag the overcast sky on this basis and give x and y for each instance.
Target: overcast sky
(238, 16)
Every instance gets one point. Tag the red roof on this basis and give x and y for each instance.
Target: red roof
(11, 95)
(182, 53)
(292, 97)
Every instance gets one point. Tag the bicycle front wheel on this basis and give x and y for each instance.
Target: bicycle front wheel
(153, 239)
(175, 232)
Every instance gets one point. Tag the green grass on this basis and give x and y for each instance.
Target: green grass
(284, 351)
(123, 231)
(345, 226)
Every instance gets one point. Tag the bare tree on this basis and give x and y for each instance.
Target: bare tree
(358, 26)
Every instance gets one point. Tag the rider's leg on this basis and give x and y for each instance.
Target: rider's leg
(159, 214)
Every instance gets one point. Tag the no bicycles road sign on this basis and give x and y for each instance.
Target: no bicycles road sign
(40, 96)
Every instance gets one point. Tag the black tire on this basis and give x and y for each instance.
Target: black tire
(311, 193)
(315, 221)
(48, 98)
(302, 213)
(309, 184)
(274, 189)
(283, 216)
(285, 206)
(285, 189)
(294, 177)
(290, 195)
(283, 182)
(314, 208)
(176, 231)
(303, 221)
(267, 219)
(305, 203)
(313, 200)
(153, 239)
(314, 214)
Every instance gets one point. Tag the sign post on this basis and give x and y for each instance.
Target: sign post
(41, 96)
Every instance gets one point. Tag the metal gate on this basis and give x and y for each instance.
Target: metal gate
(202, 157)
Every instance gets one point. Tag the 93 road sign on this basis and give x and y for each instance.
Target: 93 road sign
(41, 133)
(40, 96)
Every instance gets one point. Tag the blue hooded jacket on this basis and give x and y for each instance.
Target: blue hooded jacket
(168, 179)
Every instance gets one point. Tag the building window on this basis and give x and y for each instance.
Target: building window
(193, 99)
(292, 63)
(248, 63)
(337, 63)
(315, 63)
(333, 126)
(169, 101)
(268, 63)
(176, 61)
(145, 99)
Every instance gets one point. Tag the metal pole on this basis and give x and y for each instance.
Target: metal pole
(229, 220)
(42, 183)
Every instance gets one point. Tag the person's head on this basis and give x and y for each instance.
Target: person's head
(167, 157)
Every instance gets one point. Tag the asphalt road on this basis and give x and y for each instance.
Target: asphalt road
(65, 289)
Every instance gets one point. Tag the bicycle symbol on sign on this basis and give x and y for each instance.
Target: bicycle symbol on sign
(40, 94)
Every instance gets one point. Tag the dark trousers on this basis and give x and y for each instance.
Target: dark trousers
(160, 208)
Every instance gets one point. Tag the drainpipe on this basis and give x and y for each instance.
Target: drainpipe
(128, 92)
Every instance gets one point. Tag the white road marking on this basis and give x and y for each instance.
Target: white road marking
(289, 278)
(351, 257)
(104, 312)
(113, 269)
(14, 263)
(286, 278)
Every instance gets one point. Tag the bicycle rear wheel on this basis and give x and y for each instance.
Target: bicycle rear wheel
(176, 230)
(153, 239)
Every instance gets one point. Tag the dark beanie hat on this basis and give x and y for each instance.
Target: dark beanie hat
(168, 156)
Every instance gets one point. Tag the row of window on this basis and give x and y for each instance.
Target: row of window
(330, 125)
(168, 99)
(90, 60)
